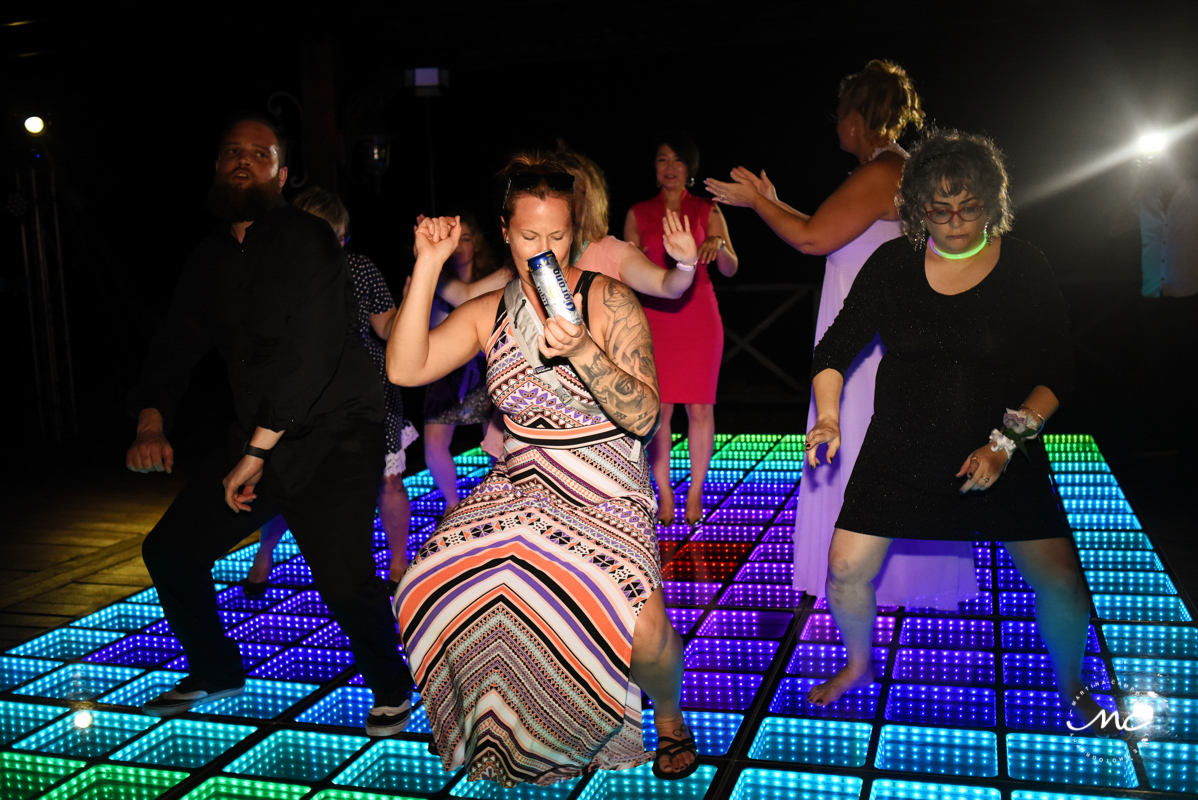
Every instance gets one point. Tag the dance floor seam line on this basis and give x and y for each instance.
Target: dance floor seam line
(964, 704)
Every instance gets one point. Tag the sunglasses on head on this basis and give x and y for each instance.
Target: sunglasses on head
(527, 181)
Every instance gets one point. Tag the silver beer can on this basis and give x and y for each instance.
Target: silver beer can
(552, 287)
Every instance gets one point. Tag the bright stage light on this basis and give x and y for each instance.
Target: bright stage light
(83, 720)
(1152, 142)
(35, 125)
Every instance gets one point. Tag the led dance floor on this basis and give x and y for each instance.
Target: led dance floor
(964, 707)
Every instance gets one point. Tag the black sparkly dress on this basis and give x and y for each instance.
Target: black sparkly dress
(953, 365)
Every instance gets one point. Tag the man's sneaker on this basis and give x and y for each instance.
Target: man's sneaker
(188, 692)
(387, 720)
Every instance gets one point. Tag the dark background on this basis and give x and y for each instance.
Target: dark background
(134, 99)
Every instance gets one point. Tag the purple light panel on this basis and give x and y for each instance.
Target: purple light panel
(294, 573)
(766, 572)
(139, 650)
(684, 593)
(306, 664)
(252, 654)
(683, 619)
(746, 624)
(1026, 636)
(825, 660)
(276, 629)
(822, 604)
(965, 667)
(1017, 604)
(967, 707)
(1009, 580)
(304, 604)
(780, 551)
(728, 533)
(719, 691)
(822, 628)
(955, 633)
(729, 655)
(235, 599)
(230, 620)
(779, 533)
(1034, 670)
(760, 595)
(792, 694)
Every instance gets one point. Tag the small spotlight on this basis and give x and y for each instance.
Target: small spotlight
(1142, 711)
(35, 125)
(83, 720)
(1152, 142)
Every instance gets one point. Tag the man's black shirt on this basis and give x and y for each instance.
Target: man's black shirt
(279, 309)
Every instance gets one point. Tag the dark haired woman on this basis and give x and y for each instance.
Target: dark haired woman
(974, 326)
(875, 106)
(532, 617)
(688, 334)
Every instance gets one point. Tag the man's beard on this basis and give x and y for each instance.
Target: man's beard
(233, 204)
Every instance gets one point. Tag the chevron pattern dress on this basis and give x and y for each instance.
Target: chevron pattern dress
(517, 615)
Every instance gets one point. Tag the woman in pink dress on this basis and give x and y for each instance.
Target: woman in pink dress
(688, 334)
(876, 104)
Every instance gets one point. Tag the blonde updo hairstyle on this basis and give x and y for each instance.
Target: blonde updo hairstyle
(590, 195)
(885, 98)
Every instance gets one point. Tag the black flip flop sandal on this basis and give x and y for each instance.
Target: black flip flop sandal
(668, 747)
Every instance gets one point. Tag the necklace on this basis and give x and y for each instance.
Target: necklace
(958, 256)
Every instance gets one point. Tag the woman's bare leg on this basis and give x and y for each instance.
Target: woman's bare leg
(657, 668)
(700, 438)
(437, 438)
(853, 561)
(395, 511)
(264, 559)
(659, 462)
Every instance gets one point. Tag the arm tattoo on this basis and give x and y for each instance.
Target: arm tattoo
(624, 379)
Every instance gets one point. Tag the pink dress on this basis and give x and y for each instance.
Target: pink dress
(604, 256)
(916, 573)
(688, 333)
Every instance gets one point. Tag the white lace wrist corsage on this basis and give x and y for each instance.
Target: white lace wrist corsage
(1022, 422)
(998, 441)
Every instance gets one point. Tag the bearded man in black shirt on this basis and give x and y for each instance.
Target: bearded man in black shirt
(269, 289)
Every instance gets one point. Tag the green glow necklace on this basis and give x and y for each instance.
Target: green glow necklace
(958, 256)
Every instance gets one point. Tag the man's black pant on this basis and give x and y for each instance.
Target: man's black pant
(331, 518)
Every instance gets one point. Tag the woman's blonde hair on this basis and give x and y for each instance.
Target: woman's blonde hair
(884, 96)
(590, 194)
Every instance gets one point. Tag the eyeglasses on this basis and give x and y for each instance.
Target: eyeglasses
(527, 181)
(967, 214)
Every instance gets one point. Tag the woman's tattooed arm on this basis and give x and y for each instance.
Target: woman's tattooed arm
(620, 372)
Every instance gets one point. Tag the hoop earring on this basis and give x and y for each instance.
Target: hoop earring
(690, 181)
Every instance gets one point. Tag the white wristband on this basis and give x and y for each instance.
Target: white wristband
(687, 267)
(1000, 442)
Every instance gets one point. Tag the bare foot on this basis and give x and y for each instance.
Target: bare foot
(1088, 718)
(260, 570)
(694, 505)
(675, 758)
(848, 677)
(665, 506)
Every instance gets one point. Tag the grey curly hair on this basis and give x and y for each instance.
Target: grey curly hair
(948, 162)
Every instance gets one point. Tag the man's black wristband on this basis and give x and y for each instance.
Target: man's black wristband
(256, 452)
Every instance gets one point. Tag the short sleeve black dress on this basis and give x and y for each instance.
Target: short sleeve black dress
(953, 365)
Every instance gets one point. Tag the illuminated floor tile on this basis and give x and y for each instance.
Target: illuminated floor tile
(226, 788)
(941, 705)
(15, 670)
(779, 533)
(1165, 676)
(235, 599)
(87, 734)
(305, 664)
(730, 655)
(1171, 767)
(719, 691)
(262, 699)
(951, 751)
(279, 629)
(812, 741)
(910, 790)
(755, 784)
(1017, 604)
(111, 782)
(1009, 580)
(297, 755)
(713, 730)
(183, 743)
(66, 643)
(746, 624)
(687, 593)
(1121, 559)
(955, 633)
(1143, 608)
(778, 551)
(397, 766)
(825, 660)
(1034, 670)
(229, 620)
(766, 572)
(760, 595)
(139, 650)
(489, 790)
(639, 784)
(79, 681)
(1112, 540)
(144, 689)
(252, 654)
(1160, 718)
(1166, 641)
(25, 776)
(1129, 582)
(1066, 759)
(18, 719)
(822, 628)
(728, 533)
(683, 619)
(706, 570)
(1041, 711)
(294, 573)
(1026, 636)
(967, 667)
(791, 698)
(980, 605)
(330, 637)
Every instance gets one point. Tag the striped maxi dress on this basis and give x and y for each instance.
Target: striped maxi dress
(518, 613)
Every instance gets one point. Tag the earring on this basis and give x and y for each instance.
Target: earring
(921, 239)
(505, 240)
(657, 183)
(986, 233)
(690, 181)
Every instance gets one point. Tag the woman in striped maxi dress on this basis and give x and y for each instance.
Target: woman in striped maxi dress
(532, 618)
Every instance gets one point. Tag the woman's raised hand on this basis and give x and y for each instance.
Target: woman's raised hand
(827, 432)
(763, 184)
(982, 469)
(437, 238)
(679, 243)
(740, 192)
